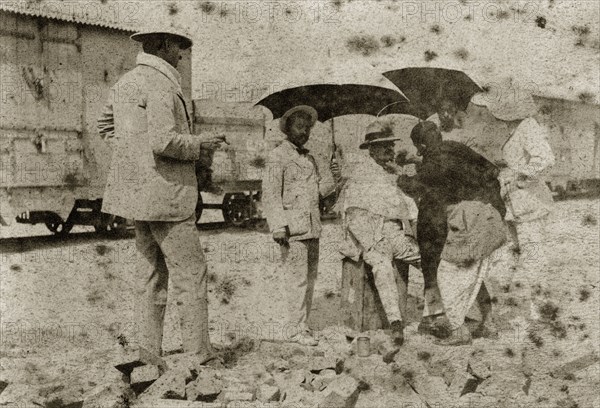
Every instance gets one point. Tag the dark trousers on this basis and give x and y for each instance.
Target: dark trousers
(432, 230)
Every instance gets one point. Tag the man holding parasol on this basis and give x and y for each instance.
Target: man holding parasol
(292, 184)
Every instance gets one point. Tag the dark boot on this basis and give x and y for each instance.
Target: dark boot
(425, 325)
(435, 325)
(397, 328)
(458, 337)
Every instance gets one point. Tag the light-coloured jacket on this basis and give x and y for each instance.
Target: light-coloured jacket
(372, 188)
(370, 198)
(152, 172)
(527, 153)
(291, 185)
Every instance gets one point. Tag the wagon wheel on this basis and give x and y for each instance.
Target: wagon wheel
(117, 225)
(58, 227)
(199, 208)
(111, 224)
(236, 208)
(560, 192)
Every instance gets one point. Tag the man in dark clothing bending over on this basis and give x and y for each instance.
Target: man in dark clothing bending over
(449, 173)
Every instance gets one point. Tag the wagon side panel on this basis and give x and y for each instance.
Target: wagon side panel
(41, 127)
(106, 55)
(244, 126)
(573, 133)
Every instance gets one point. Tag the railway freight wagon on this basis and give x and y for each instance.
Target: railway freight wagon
(57, 70)
(238, 167)
(573, 132)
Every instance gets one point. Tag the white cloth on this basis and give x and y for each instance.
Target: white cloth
(370, 197)
(374, 208)
(372, 188)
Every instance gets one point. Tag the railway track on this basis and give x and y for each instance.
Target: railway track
(17, 244)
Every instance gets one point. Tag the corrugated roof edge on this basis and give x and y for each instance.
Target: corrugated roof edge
(65, 11)
(594, 99)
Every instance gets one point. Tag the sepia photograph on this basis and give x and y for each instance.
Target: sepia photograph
(299, 203)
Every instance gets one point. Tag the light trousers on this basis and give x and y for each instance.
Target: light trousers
(300, 262)
(531, 264)
(461, 286)
(171, 251)
(395, 246)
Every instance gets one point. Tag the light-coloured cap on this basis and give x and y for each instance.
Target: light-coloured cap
(141, 35)
(507, 101)
(309, 110)
(378, 132)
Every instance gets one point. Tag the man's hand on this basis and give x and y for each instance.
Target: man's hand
(501, 163)
(403, 180)
(336, 171)
(491, 174)
(282, 237)
(402, 158)
(339, 185)
(392, 168)
(213, 142)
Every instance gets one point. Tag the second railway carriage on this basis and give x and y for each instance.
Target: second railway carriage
(573, 131)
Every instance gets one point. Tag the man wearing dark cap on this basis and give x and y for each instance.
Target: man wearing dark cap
(152, 181)
(450, 172)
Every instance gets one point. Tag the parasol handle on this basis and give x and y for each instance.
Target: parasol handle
(334, 155)
(333, 135)
(387, 106)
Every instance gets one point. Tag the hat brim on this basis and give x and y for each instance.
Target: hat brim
(309, 110)
(507, 109)
(142, 36)
(365, 145)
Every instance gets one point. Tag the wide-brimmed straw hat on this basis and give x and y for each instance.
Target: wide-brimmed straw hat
(507, 101)
(309, 110)
(142, 35)
(378, 132)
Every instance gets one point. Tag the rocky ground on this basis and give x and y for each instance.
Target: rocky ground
(67, 318)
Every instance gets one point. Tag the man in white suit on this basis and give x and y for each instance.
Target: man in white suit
(291, 188)
(152, 181)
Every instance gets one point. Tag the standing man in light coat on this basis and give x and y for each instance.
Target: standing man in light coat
(521, 151)
(525, 155)
(291, 188)
(152, 181)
